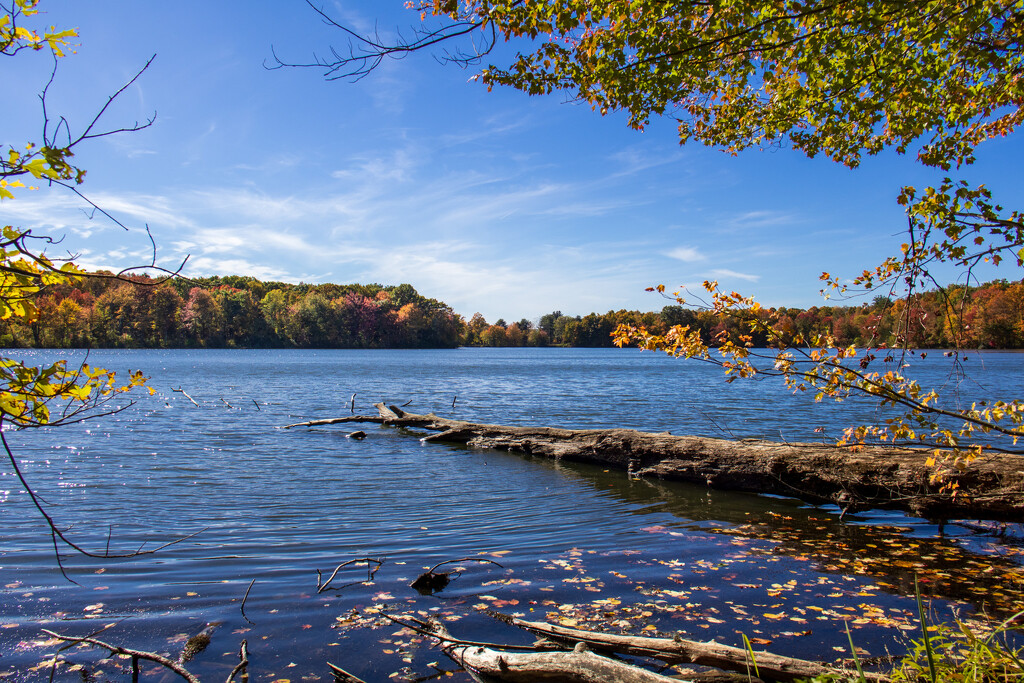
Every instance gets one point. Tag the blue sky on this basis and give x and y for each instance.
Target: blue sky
(493, 202)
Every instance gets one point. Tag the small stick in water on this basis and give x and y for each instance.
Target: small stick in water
(182, 392)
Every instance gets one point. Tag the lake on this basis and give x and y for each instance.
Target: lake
(576, 544)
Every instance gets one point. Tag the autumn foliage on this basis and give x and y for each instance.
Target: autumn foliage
(236, 311)
(233, 311)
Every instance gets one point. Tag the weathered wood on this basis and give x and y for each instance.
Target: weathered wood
(872, 477)
(578, 666)
(492, 661)
(770, 666)
(337, 420)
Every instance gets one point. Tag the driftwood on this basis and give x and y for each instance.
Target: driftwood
(183, 393)
(585, 664)
(769, 666)
(871, 477)
(578, 666)
(487, 662)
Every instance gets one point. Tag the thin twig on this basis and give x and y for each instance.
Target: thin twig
(246, 597)
(464, 559)
(321, 587)
(243, 657)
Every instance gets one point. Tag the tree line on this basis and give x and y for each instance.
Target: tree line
(230, 312)
(986, 316)
(238, 311)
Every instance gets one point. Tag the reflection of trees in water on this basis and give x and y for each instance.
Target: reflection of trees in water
(978, 567)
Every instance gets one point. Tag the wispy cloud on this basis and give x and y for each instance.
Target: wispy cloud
(686, 254)
(726, 273)
(636, 159)
(760, 219)
(204, 265)
(395, 166)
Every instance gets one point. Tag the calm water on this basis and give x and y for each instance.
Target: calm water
(276, 506)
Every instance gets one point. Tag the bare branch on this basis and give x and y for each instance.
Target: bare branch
(366, 52)
(88, 133)
(134, 654)
(321, 587)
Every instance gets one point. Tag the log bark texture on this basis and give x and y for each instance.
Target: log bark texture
(871, 477)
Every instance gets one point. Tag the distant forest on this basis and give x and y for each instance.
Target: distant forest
(236, 312)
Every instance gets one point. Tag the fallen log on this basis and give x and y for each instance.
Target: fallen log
(545, 657)
(870, 477)
(769, 666)
(490, 662)
(547, 660)
(578, 666)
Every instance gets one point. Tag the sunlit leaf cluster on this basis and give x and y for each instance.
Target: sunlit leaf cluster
(15, 36)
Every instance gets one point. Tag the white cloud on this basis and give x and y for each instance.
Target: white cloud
(686, 254)
(202, 265)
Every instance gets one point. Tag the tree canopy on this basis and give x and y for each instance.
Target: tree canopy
(841, 78)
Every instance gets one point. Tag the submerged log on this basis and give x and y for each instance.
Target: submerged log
(869, 477)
